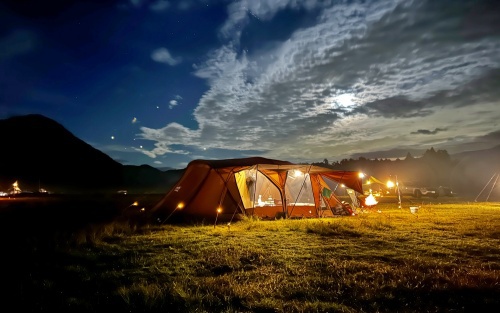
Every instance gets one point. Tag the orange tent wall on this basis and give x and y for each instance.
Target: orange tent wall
(208, 184)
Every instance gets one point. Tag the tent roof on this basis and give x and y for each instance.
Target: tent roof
(348, 178)
(244, 162)
(372, 179)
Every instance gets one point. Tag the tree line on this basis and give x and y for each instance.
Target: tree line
(433, 168)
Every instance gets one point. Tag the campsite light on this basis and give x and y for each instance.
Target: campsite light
(297, 173)
(143, 209)
(219, 210)
(390, 184)
(135, 203)
(361, 175)
(370, 200)
(179, 206)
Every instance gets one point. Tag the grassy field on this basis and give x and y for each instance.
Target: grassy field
(445, 258)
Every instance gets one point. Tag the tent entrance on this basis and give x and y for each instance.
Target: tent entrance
(272, 195)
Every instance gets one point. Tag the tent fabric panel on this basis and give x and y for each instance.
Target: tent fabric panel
(325, 213)
(316, 189)
(243, 162)
(185, 189)
(233, 194)
(205, 183)
(375, 180)
(275, 177)
(230, 205)
(279, 181)
(348, 178)
(302, 211)
(333, 201)
(265, 211)
(207, 199)
(241, 182)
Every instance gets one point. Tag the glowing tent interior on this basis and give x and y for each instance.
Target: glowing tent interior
(255, 186)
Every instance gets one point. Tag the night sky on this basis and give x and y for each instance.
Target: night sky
(164, 82)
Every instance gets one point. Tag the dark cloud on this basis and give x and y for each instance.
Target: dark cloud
(394, 107)
(389, 154)
(428, 132)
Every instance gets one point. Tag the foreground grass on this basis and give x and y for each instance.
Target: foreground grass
(445, 258)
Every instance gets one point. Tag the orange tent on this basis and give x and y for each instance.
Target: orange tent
(255, 187)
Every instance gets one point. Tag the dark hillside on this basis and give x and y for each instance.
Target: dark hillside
(41, 151)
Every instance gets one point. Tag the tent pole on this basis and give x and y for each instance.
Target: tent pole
(224, 191)
(255, 189)
(282, 190)
(492, 186)
(475, 200)
(399, 193)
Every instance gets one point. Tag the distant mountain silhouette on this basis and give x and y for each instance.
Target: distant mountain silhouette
(145, 178)
(39, 152)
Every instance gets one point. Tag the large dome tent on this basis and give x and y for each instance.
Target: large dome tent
(254, 186)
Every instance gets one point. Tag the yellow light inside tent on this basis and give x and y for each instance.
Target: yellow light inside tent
(180, 206)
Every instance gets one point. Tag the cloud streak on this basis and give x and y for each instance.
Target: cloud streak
(401, 65)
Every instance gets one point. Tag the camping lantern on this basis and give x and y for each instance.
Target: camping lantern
(370, 201)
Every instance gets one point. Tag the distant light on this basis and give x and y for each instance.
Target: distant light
(143, 209)
(140, 147)
(180, 206)
(134, 120)
(219, 210)
(112, 137)
(135, 203)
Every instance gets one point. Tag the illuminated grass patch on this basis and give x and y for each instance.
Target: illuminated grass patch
(445, 258)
